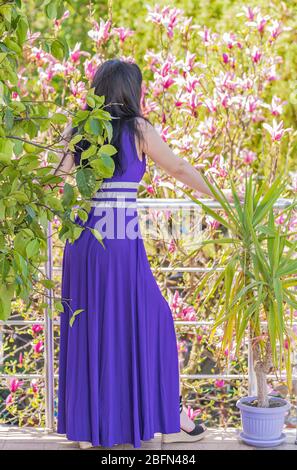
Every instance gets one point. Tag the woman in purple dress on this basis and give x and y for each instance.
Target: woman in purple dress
(118, 362)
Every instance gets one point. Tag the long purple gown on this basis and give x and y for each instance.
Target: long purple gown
(118, 363)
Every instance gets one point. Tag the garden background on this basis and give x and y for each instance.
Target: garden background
(220, 86)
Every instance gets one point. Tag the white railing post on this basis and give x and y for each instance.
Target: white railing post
(49, 339)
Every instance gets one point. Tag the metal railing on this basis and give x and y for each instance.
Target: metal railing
(49, 375)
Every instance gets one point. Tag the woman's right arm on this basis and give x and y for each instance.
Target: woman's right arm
(155, 147)
(66, 160)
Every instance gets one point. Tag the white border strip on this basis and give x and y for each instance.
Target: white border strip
(120, 184)
(123, 204)
(116, 195)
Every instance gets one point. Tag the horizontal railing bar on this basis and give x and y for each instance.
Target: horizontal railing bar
(227, 376)
(167, 269)
(182, 376)
(176, 322)
(25, 322)
(181, 202)
(22, 376)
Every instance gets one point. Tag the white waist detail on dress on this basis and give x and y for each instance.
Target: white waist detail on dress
(120, 184)
(125, 199)
(121, 203)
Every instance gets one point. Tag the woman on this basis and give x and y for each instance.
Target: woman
(118, 363)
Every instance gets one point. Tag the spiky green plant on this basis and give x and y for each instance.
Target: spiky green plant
(259, 275)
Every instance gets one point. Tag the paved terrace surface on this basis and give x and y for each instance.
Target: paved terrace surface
(14, 438)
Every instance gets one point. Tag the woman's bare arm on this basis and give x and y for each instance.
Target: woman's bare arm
(155, 147)
(66, 161)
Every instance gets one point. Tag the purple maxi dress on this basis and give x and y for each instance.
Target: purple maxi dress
(118, 363)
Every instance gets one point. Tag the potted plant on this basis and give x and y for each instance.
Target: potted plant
(259, 279)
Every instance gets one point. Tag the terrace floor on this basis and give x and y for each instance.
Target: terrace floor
(14, 438)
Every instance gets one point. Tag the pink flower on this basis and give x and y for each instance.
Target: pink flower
(250, 13)
(176, 301)
(276, 106)
(37, 328)
(225, 58)
(190, 61)
(167, 17)
(34, 386)
(259, 22)
(277, 130)
(248, 156)
(100, 33)
(90, 68)
(150, 189)
(219, 383)
(275, 30)
(192, 414)
(77, 53)
(123, 33)
(172, 247)
(37, 347)
(192, 82)
(57, 22)
(167, 82)
(256, 55)
(211, 105)
(212, 223)
(9, 400)
(280, 220)
(20, 359)
(189, 313)
(251, 104)
(199, 338)
(14, 385)
(229, 39)
(208, 37)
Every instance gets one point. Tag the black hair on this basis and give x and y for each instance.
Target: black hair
(120, 82)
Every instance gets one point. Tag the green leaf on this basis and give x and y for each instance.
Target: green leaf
(268, 200)
(6, 150)
(91, 101)
(97, 235)
(68, 195)
(89, 152)
(48, 283)
(21, 30)
(57, 49)
(86, 181)
(74, 315)
(209, 211)
(59, 307)
(109, 130)
(77, 138)
(107, 150)
(93, 126)
(32, 248)
(8, 119)
(51, 10)
(59, 118)
(6, 295)
(104, 165)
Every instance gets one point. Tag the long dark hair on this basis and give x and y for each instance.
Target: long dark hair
(120, 83)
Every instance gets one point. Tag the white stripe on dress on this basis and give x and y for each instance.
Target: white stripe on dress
(120, 184)
(116, 195)
(124, 204)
